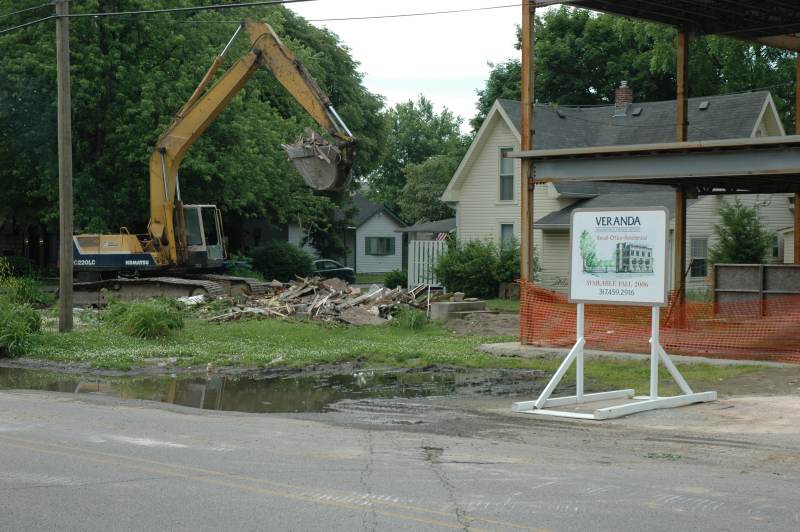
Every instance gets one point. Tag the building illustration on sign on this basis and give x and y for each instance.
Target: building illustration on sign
(632, 258)
(627, 257)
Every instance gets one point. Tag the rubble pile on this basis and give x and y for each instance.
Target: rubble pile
(328, 300)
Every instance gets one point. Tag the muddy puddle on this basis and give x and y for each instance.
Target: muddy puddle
(298, 392)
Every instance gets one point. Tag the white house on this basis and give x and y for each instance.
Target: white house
(787, 239)
(485, 188)
(373, 242)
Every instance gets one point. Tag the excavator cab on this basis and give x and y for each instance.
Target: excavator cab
(204, 237)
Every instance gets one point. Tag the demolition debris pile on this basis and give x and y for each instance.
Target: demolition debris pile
(328, 300)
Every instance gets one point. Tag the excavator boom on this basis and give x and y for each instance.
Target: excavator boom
(323, 165)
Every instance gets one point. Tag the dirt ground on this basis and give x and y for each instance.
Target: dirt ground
(500, 324)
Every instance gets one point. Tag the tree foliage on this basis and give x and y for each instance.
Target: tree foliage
(416, 132)
(581, 57)
(588, 250)
(741, 239)
(425, 183)
(129, 76)
(282, 261)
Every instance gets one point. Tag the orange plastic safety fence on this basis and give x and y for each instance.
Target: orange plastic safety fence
(742, 329)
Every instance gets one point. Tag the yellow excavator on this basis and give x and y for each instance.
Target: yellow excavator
(184, 249)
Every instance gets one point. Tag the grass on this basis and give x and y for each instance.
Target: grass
(267, 342)
(503, 305)
(370, 278)
(299, 344)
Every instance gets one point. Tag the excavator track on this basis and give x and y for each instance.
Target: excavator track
(92, 293)
(239, 286)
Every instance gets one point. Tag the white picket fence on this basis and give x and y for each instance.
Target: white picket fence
(422, 256)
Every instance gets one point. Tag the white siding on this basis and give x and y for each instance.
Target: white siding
(788, 247)
(379, 225)
(554, 259)
(479, 211)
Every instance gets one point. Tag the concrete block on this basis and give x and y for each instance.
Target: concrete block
(446, 310)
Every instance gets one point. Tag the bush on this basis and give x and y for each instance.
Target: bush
(395, 279)
(18, 324)
(477, 268)
(145, 319)
(410, 318)
(21, 290)
(282, 261)
(508, 263)
(17, 266)
(470, 267)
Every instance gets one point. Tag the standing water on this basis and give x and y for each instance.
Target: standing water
(297, 392)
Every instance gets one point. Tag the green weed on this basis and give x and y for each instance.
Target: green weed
(145, 319)
(18, 324)
(410, 319)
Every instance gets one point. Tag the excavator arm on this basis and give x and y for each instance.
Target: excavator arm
(324, 166)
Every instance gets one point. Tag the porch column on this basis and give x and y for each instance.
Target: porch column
(797, 194)
(682, 134)
(527, 102)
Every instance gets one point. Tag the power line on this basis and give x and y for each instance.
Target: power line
(419, 14)
(24, 10)
(255, 4)
(158, 11)
(187, 9)
(26, 24)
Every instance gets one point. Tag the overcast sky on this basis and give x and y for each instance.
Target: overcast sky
(443, 57)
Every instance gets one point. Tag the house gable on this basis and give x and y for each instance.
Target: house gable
(496, 115)
(380, 225)
(769, 122)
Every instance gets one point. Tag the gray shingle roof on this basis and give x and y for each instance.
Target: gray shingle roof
(438, 226)
(366, 209)
(728, 116)
(655, 196)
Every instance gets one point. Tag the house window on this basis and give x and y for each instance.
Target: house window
(506, 176)
(776, 247)
(699, 257)
(379, 245)
(506, 234)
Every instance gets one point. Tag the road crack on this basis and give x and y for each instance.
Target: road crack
(432, 458)
(370, 521)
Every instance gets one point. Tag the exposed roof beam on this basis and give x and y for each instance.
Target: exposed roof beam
(787, 42)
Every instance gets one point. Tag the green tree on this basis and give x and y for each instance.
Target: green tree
(425, 183)
(415, 132)
(588, 250)
(129, 76)
(741, 239)
(582, 56)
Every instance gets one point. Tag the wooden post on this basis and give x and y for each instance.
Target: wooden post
(64, 168)
(526, 139)
(682, 134)
(797, 194)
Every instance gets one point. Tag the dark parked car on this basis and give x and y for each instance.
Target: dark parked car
(328, 268)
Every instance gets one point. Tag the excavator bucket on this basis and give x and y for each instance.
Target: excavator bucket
(323, 166)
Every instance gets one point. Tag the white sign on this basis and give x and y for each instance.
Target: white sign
(619, 256)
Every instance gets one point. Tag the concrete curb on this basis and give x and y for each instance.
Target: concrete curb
(515, 349)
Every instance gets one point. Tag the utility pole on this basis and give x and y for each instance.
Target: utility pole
(64, 168)
(527, 130)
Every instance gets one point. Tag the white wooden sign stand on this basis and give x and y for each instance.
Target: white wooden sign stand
(639, 404)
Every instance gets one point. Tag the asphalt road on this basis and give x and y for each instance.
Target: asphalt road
(89, 463)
